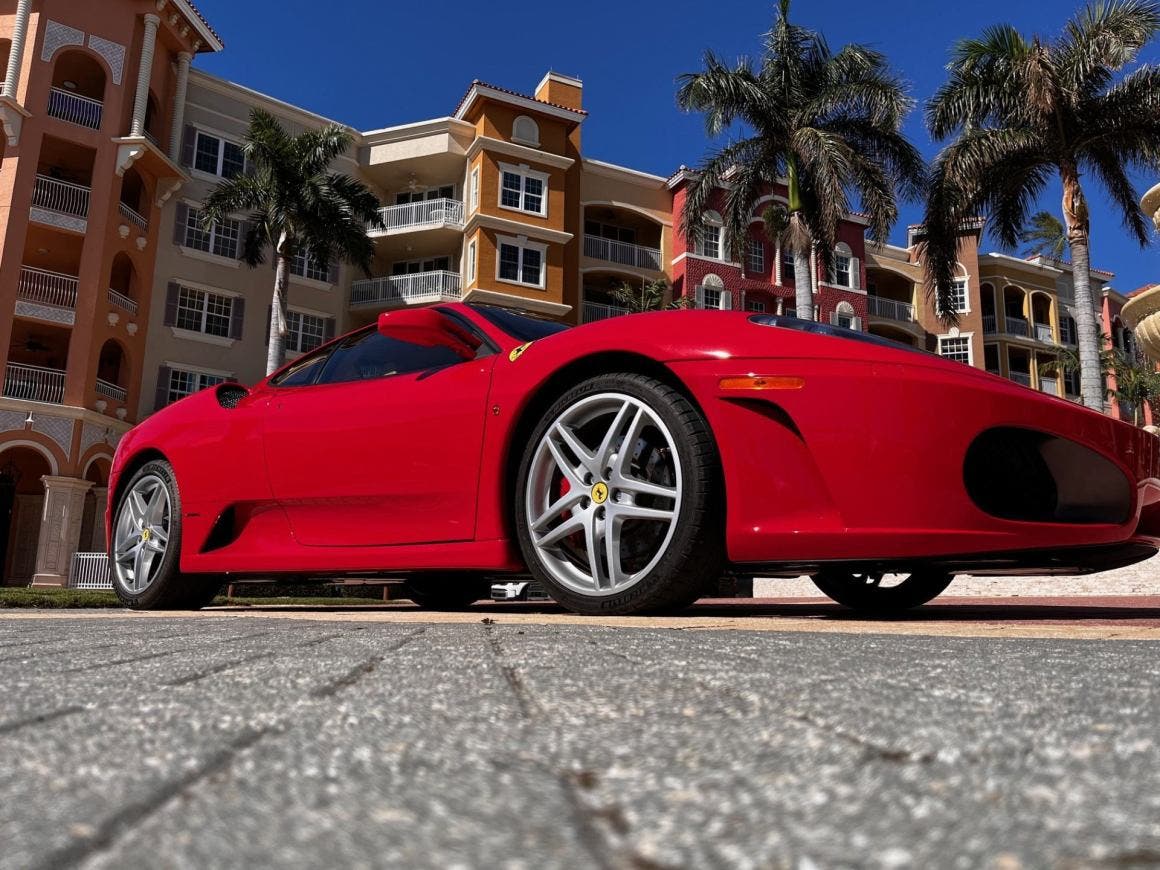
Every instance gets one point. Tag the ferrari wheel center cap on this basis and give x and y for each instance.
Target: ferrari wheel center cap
(600, 493)
(145, 534)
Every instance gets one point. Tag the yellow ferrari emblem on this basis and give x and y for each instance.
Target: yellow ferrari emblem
(600, 493)
(145, 533)
(517, 352)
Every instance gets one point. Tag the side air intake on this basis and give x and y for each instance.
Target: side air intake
(1029, 476)
(228, 395)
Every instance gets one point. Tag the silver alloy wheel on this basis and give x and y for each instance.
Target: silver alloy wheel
(603, 494)
(141, 533)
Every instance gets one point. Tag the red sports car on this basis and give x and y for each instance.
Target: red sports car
(625, 464)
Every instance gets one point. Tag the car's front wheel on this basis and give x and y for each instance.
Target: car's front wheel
(617, 502)
(879, 593)
(146, 545)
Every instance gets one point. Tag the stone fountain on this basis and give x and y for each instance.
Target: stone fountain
(1142, 311)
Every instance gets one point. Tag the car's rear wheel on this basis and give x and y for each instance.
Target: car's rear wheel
(146, 545)
(879, 593)
(447, 591)
(617, 500)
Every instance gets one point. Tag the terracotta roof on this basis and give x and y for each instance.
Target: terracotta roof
(1057, 261)
(482, 84)
(1143, 289)
(208, 26)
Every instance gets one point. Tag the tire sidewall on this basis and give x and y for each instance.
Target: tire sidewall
(168, 573)
(696, 485)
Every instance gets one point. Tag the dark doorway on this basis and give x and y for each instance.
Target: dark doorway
(9, 477)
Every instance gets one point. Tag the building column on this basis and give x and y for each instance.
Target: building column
(16, 57)
(60, 528)
(178, 113)
(101, 498)
(144, 72)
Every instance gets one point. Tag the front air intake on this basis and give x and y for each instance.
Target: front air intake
(1029, 476)
(228, 395)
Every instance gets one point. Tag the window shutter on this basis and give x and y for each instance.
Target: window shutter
(162, 394)
(328, 329)
(171, 294)
(179, 224)
(188, 135)
(855, 274)
(269, 314)
(243, 231)
(856, 324)
(833, 318)
(726, 300)
(237, 315)
(699, 298)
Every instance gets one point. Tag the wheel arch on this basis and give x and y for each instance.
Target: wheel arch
(142, 457)
(566, 377)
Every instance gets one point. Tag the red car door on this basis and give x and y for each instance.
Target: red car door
(383, 448)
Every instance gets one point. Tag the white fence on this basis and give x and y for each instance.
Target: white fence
(414, 215)
(47, 288)
(1020, 378)
(122, 301)
(622, 252)
(82, 111)
(132, 215)
(418, 287)
(890, 308)
(599, 311)
(62, 196)
(34, 383)
(90, 571)
(111, 391)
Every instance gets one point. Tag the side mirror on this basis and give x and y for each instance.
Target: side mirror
(426, 327)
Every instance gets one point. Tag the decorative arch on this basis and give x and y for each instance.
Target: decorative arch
(113, 363)
(526, 131)
(845, 309)
(91, 467)
(45, 452)
(626, 206)
(713, 282)
(81, 71)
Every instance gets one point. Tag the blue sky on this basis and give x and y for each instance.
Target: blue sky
(374, 63)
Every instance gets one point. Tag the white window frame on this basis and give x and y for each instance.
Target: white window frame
(221, 157)
(193, 214)
(711, 219)
(524, 172)
(471, 261)
(965, 284)
(203, 380)
(522, 243)
(204, 313)
(755, 257)
(308, 260)
(293, 346)
(968, 337)
(473, 200)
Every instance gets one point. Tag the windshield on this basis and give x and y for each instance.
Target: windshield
(825, 329)
(521, 327)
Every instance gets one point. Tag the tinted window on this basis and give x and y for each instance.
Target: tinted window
(369, 354)
(519, 326)
(303, 371)
(832, 331)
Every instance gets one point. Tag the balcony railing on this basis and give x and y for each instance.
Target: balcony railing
(47, 288)
(122, 301)
(82, 111)
(1049, 385)
(34, 383)
(1043, 333)
(111, 391)
(1016, 326)
(624, 253)
(990, 327)
(65, 197)
(420, 215)
(594, 311)
(1020, 378)
(132, 215)
(90, 571)
(418, 287)
(890, 308)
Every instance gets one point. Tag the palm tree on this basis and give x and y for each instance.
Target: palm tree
(296, 204)
(1044, 236)
(1021, 110)
(650, 296)
(1135, 384)
(824, 124)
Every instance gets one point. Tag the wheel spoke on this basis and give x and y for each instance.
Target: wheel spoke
(615, 430)
(636, 512)
(141, 564)
(594, 538)
(575, 478)
(570, 526)
(158, 503)
(587, 458)
(642, 487)
(569, 499)
(628, 445)
(612, 527)
(138, 509)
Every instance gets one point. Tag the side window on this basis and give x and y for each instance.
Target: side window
(304, 371)
(370, 354)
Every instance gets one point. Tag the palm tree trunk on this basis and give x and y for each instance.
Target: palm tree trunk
(276, 352)
(799, 239)
(803, 285)
(1075, 215)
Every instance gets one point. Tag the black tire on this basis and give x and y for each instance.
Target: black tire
(853, 590)
(170, 589)
(694, 556)
(447, 591)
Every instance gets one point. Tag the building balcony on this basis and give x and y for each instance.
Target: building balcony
(1023, 378)
(593, 311)
(34, 383)
(1043, 333)
(430, 214)
(120, 300)
(890, 309)
(75, 109)
(1049, 385)
(133, 216)
(46, 295)
(401, 290)
(60, 203)
(111, 391)
(624, 253)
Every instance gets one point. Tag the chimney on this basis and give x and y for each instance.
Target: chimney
(560, 89)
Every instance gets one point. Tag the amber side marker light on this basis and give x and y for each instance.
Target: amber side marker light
(753, 382)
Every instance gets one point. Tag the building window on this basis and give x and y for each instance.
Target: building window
(305, 265)
(473, 204)
(417, 267)
(709, 239)
(844, 316)
(1071, 382)
(470, 262)
(756, 258)
(183, 382)
(202, 311)
(221, 238)
(959, 296)
(521, 263)
(956, 348)
(522, 189)
(526, 131)
(787, 273)
(612, 232)
(447, 191)
(304, 332)
(217, 156)
(755, 305)
(842, 270)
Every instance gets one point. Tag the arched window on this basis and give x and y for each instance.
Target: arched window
(711, 238)
(78, 89)
(111, 366)
(845, 316)
(845, 271)
(526, 131)
(712, 293)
